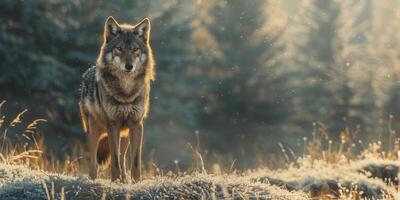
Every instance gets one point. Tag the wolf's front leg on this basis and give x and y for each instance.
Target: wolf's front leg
(124, 144)
(92, 142)
(136, 137)
(113, 132)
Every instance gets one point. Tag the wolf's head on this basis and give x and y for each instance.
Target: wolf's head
(126, 47)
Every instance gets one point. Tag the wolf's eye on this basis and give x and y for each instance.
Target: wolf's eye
(119, 48)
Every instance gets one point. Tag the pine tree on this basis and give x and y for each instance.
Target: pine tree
(176, 61)
(315, 58)
(246, 86)
(327, 61)
(386, 49)
(365, 111)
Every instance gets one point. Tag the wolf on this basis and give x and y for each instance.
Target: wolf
(114, 97)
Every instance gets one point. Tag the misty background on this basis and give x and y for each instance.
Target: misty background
(244, 75)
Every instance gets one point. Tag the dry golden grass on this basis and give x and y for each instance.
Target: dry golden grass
(19, 153)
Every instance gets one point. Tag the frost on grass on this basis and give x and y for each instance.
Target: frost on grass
(368, 178)
(18, 182)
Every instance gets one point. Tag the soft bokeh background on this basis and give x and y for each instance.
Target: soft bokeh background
(246, 76)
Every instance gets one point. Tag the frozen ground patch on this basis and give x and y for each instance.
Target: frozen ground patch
(370, 179)
(18, 182)
(367, 179)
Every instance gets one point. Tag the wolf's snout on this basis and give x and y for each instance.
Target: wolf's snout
(128, 66)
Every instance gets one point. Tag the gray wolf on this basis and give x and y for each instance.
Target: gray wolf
(114, 97)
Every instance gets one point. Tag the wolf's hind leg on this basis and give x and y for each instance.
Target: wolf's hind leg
(93, 141)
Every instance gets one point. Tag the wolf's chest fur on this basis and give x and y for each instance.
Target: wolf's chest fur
(115, 96)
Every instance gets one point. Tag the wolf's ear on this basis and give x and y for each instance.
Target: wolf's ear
(111, 29)
(143, 29)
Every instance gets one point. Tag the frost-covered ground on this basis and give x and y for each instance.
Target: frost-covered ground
(18, 182)
(372, 179)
